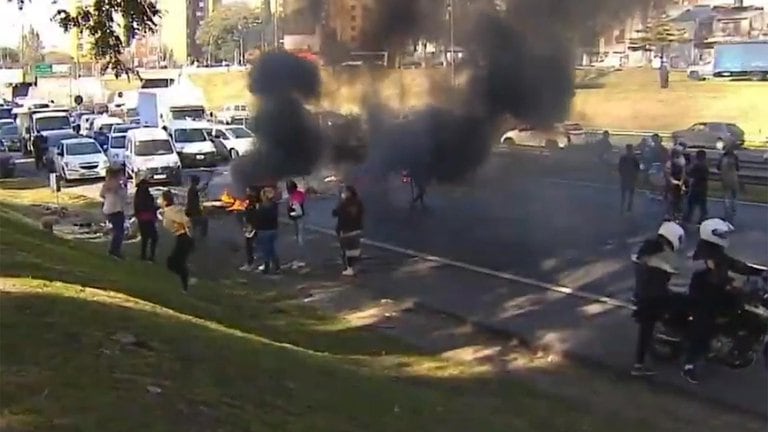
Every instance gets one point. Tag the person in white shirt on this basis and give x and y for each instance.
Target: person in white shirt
(115, 195)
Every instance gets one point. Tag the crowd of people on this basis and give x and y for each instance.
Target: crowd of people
(259, 221)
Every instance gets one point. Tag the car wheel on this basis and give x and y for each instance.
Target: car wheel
(509, 142)
(234, 154)
(551, 144)
(720, 144)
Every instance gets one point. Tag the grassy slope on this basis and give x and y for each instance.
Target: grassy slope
(226, 357)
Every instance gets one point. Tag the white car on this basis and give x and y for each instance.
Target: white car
(86, 124)
(116, 148)
(80, 158)
(232, 112)
(192, 140)
(150, 155)
(529, 137)
(701, 72)
(237, 139)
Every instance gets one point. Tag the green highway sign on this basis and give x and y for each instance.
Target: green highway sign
(43, 69)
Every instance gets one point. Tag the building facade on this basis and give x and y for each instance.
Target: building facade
(178, 26)
(348, 19)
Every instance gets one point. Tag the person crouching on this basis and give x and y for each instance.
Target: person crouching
(176, 221)
(349, 228)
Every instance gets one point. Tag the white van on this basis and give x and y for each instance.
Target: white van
(150, 155)
(80, 158)
(192, 140)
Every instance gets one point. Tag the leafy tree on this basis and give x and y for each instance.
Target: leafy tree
(9, 55)
(57, 57)
(221, 32)
(31, 48)
(659, 34)
(100, 22)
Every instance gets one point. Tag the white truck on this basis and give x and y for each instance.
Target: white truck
(159, 107)
(41, 121)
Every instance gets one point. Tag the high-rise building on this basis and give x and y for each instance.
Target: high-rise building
(79, 41)
(179, 24)
(348, 19)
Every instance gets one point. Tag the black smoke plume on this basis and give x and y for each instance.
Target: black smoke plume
(288, 140)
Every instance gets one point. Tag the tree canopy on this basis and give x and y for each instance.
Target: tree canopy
(31, 48)
(219, 34)
(99, 20)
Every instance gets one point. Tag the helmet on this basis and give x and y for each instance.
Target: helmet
(672, 232)
(715, 231)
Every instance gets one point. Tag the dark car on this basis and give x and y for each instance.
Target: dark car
(7, 163)
(10, 136)
(710, 135)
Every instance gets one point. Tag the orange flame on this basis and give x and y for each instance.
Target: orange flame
(235, 205)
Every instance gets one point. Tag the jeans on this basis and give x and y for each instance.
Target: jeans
(266, 241)
(148, 232)
(177, 260)
(298, 229)
(117, 220)
(729, 203)
(696, 201)
(627, 195)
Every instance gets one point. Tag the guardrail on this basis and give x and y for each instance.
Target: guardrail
(751, 142)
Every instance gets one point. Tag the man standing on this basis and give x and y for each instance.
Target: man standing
(39, 148)
(698, 175)
(604, 146)
(194, 211)
(629, 168)
(729, 177)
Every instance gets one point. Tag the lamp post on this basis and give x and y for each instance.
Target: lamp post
(449, 6)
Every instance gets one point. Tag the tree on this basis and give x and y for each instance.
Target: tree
(100, 22)
(57, 57)
(9, 55)
(221, 34)
(659, 34)
(31, 49)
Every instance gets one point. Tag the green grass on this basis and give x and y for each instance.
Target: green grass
(228, 357)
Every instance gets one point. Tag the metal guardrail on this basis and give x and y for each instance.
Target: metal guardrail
(755, 143)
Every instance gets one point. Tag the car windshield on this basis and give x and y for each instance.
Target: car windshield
(106, 127)
(82, 148)
(123, 128)
(10, 130)
(189, 113)
(191, 135)
(117, 142)
(43, 124)
(5, 113)
(153, 147)
(735, 130)
(241, 132)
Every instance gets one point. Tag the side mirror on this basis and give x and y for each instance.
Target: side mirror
(60, 152)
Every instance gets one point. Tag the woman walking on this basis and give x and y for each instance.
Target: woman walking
(175, 221)
(349, 228)
(145, 210)
(266, 231)
(115, 194)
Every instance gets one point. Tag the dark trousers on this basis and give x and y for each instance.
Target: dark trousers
(148, 233)
(199, 226)
(648, 313)
(177, 260)
(699, 335)
(39, 161)
(418, 192)
(117, 220)
(627, 194)
(249, 249)
(675, 200)
(696, 201)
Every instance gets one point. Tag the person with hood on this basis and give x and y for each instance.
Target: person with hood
(250, 224)
(349, 227)
(145, 210)
(698, 175)
(296, 213)
(655, 264)
(710, 289)
(115, 195)
(728, 166)
(266, 219)
(177, 223)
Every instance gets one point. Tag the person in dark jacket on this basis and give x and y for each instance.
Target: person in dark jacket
(39, 148)
(629, 169)
(250, 225)
(266, 230)
(710, 289)
(698, 176)
(604, 146)
(654, 267)
(145, 210)
(194, 209)
(349, 228)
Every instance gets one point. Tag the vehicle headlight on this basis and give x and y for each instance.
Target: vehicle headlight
(68, 165)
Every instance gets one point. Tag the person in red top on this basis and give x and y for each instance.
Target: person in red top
(145, 210)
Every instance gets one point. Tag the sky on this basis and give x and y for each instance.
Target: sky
(36, 13)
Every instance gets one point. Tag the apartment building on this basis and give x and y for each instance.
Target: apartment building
(79, 42)
(348, 18)
(179, 24)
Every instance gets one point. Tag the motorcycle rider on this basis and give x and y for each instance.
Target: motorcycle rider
(655, 266)
(710, 289)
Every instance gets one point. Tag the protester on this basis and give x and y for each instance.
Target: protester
(176, 221)
(296, 213)
(145, 210)
(115, 194)
(675, 179)
(604, 146)
(266, 231)
(250, 223)
(629, 169)
(39, 148)
(728, 166)
(194, 210)
(419, 181)
(349, 225)
(698, 174)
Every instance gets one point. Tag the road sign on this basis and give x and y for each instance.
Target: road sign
(43, 69)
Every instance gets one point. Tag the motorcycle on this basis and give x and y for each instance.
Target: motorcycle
(741, 333)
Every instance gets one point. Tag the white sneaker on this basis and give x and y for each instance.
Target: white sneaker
(261, 268)
(246, 267)
(192, 281)
(299, 264)
(349, 271)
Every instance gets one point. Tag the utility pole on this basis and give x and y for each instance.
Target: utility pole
(453, 48)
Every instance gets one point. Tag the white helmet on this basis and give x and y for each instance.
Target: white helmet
(715, 231)
(672, 232)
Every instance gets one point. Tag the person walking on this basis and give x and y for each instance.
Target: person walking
(729, 168)
(194, 209)
(698, 175)
(604, 147)
(296, 213)
(177, 223)
(114, 195)
(629, 170)
(39, 149)
(250, 224)
(349, 228)
(145, 210)
(266, 231)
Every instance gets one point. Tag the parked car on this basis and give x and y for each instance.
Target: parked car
(10, 136)
(232, 112)
(102, 127)
(7, 162)
(528, 136)
(701, 72)
(575, 132)
(237, 139)
(710, 135)
(116, 148)
(122, 128)
(150, 155)
(80, 158)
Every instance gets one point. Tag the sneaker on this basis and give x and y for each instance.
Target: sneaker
(349, 271)
(261, 268)
(640, 370)
(689, 373)
(246, 267)
(192, 281)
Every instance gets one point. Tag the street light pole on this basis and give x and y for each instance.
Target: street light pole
(453, 49)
